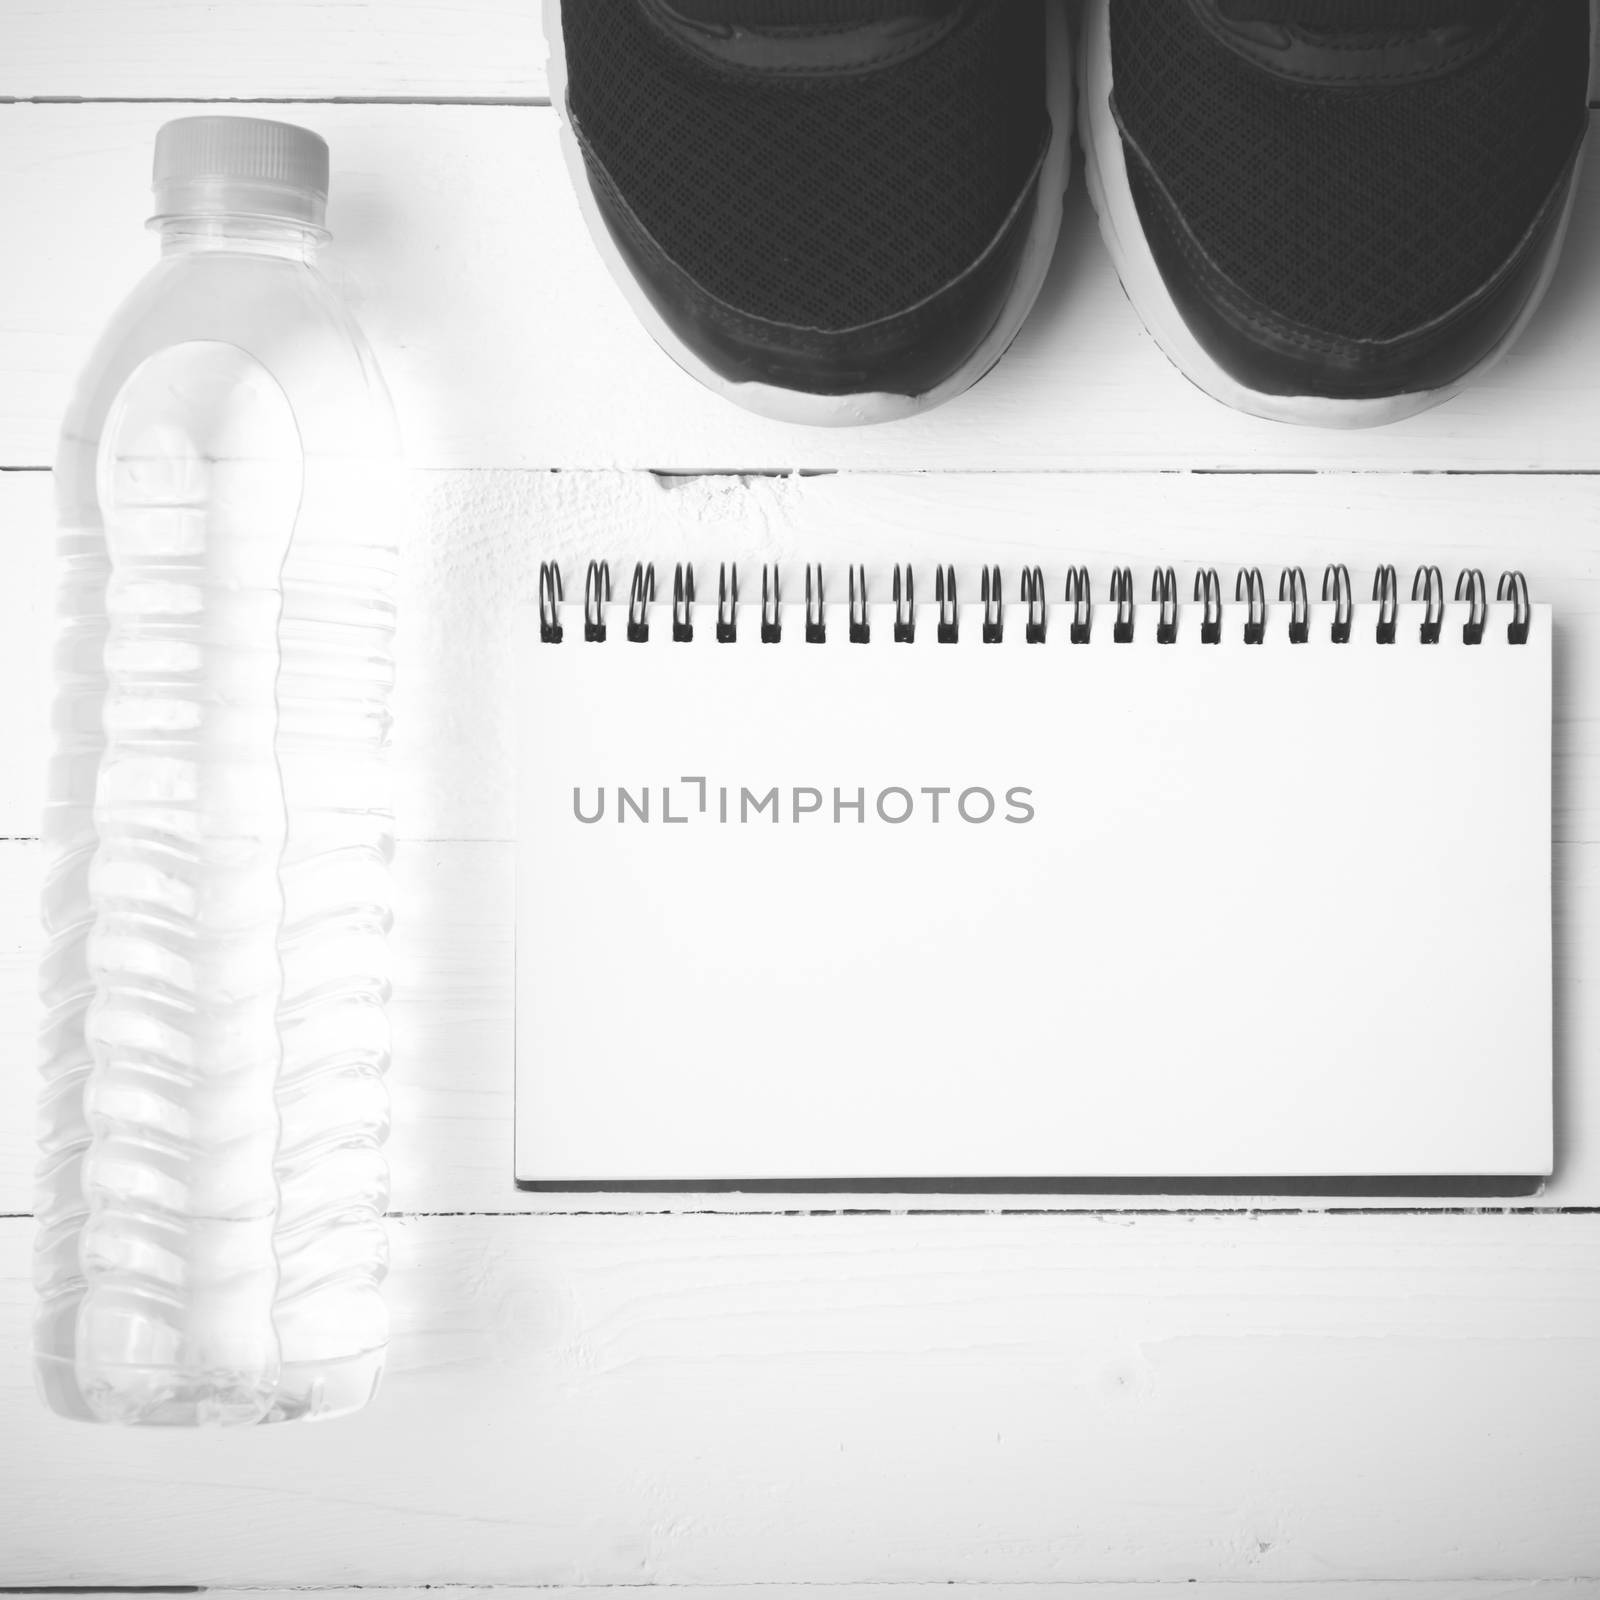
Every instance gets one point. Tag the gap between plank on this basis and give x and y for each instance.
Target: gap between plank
(296, 100)
(277, 100)
(1065, 1587)
(673, 475)
(1106, 1213)
(864, 1588)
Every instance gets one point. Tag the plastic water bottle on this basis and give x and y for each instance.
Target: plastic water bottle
(218, 832)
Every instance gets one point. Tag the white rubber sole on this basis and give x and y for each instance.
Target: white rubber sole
(790, 405)
(1106, 173)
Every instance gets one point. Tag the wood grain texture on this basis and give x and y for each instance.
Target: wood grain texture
(271, 49)
(461, 247)
(453, 1016)
(276, 49)
(1322, 1407)
(472, 557)
(646, 1400)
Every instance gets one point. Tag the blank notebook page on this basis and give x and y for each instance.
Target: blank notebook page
(1033, 911)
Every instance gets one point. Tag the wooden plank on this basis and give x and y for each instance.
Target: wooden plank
(27, 629)
(471, 556)
(711, 1400)
(453, 1013)
(276, 50)
(271, 49)
(507, 346)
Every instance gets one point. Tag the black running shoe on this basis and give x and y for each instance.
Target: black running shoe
(1334, 211)
(830, 211)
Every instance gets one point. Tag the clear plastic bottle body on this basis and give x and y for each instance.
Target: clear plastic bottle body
(217, 844)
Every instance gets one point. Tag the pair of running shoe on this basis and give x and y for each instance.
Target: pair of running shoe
(841, 211)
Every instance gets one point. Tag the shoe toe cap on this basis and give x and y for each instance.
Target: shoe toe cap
(908, 351)
(1261, 348)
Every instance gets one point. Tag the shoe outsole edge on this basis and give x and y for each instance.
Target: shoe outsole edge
(1106, 177)
(848, 410)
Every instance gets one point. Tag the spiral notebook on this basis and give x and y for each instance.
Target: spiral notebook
(829, 879)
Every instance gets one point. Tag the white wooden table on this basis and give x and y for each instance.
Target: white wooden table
(1110, 1397)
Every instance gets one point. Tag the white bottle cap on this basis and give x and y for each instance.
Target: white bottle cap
(243, 167)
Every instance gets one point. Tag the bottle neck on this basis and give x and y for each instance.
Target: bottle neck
(238, 235)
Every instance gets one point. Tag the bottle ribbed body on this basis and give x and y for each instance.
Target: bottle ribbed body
(218, 838)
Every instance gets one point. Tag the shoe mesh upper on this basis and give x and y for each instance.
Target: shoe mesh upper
(1362, 16)
(1366, 210)
(820, 202)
